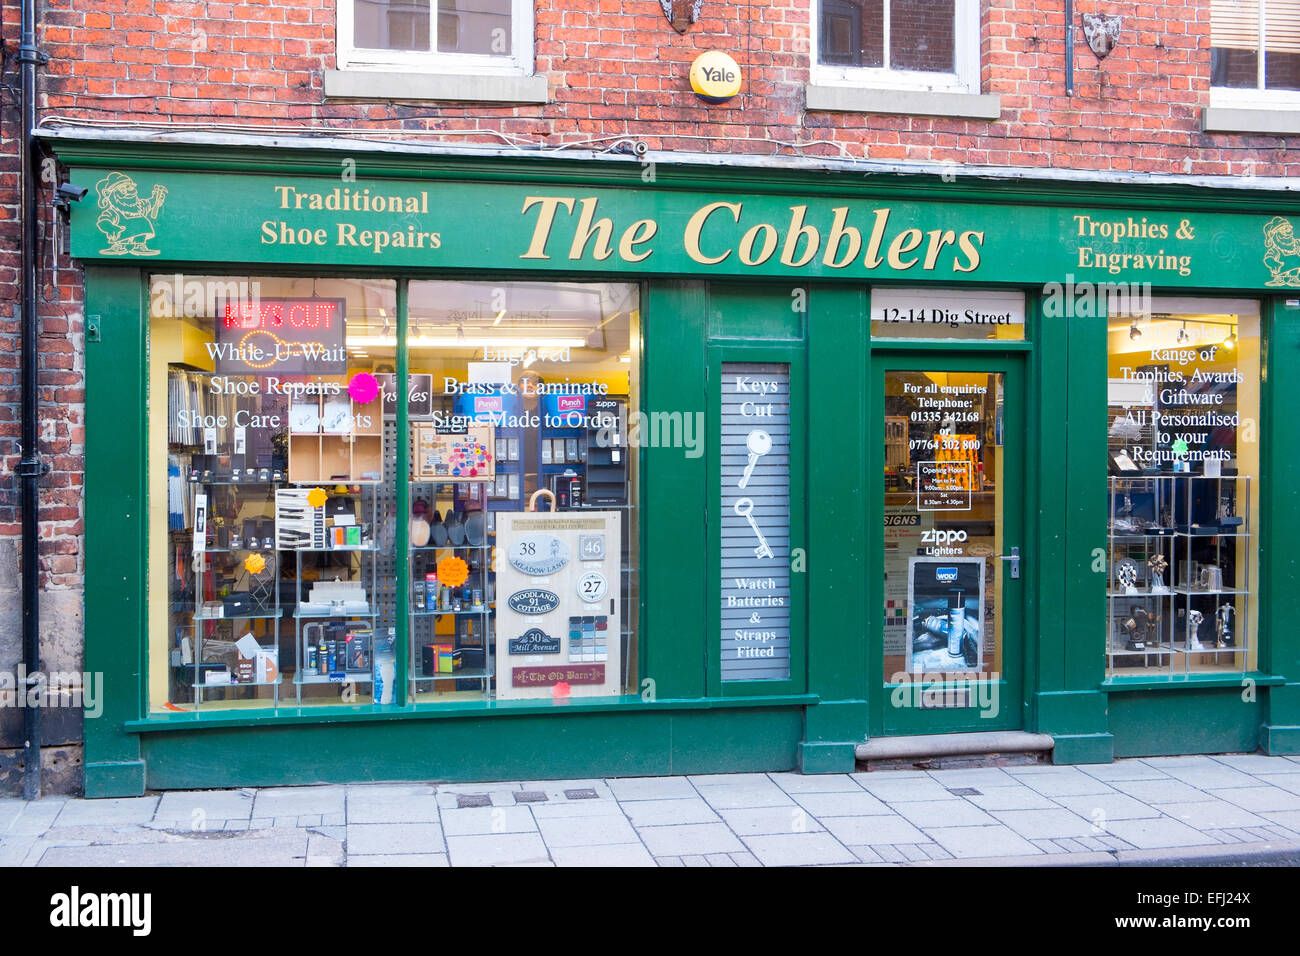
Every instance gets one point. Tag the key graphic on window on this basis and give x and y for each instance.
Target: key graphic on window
(744, 507)
(759, 444)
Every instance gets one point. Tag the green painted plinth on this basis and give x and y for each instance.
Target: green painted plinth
(827, 757)
(1083, 748)
(114, 779)
(1279, 740)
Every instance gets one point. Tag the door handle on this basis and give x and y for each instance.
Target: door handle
(1014, 558)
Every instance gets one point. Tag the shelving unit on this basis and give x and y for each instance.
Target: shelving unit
(449, 617)
(342, 625)
(333, 439)
(209, 605)
(1195, 615)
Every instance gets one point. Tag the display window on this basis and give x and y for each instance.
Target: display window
(523, 489)
(330, 512)
(1183, 401)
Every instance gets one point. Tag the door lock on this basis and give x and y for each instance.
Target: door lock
(1014, 558)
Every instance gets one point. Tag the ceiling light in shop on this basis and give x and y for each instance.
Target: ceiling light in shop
(1134, 332)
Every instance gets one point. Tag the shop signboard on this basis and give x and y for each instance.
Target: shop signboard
(773, 232)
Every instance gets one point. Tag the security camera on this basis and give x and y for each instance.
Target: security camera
(70, 193)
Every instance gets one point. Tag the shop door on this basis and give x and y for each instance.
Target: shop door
(951, 569)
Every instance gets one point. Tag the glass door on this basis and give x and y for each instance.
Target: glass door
(952, 543)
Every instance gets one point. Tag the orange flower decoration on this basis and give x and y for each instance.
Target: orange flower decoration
(254, 564)
(317, 497)
(452, 572)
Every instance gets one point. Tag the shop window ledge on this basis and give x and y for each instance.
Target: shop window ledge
(1120, 684)
(204, 720)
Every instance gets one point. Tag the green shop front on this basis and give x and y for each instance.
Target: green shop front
(407, 465)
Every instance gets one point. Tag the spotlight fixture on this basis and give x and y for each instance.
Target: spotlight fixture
(1182, 335)
(1134, 332)
(1231, 341)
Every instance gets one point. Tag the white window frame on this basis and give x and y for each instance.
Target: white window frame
(1256, 98)
(966, 59)
(517, 63)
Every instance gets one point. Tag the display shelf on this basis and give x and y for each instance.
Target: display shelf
(237, 684)
(278, 613)
(465, 673)
(251, 483)
(344, 616)
(348, 677)
(462, 612)
(1199, 592)
(336, 550)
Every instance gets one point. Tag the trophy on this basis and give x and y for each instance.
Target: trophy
(1226, 518)
(1223, 621)
(1126, 574)
(1157, 565)
(1194, 620)
(1135, 642)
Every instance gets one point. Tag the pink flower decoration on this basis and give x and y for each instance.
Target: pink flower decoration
(364, 388)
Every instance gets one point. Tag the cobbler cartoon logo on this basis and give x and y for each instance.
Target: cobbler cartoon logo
(1281, 252)
(126, 218)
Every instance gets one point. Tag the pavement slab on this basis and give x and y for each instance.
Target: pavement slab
(1160, 832)
(982, 841)
(101, 812)
(1162, 791)
(753, 821)
(690, 838)
(586, 831)
(615, 854)
(626, 789)
(498, 849)
(815, 782)
(488, 820)
(650, 813)
(860, 803)
(799, 849)
(394, 838)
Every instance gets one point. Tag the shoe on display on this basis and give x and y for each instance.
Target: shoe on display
(475, 528)
(455, 525)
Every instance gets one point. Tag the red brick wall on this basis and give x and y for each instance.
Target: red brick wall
(617, 69)
(61, 381)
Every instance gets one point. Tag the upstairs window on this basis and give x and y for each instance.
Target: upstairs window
(1255, 49)
(907, 44)
(492, 36)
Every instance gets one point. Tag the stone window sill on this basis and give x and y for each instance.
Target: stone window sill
(854, 99)
(462, 88)
(1231, 119)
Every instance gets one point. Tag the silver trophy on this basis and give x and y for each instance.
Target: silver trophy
(1223, 622)
(1194, 620)
(1126, 575)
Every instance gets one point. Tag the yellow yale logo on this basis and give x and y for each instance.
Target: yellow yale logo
(715, 77)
